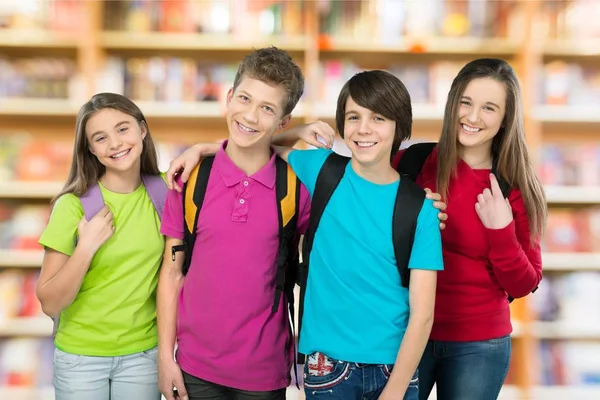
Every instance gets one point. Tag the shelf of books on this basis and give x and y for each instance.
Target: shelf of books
(178, 58)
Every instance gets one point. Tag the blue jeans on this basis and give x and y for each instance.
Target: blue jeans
(464, 370)
(327, 378)
(78, 377)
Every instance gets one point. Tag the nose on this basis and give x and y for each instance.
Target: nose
(251, 115)
(473, 116)
(365, 126)
(114, 141)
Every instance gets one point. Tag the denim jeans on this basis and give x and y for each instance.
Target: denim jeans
(133, 376)
(465, 370)
(329, 379)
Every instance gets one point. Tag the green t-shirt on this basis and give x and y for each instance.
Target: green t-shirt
(114, 312)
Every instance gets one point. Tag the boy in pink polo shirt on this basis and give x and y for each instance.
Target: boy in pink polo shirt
(230, 343)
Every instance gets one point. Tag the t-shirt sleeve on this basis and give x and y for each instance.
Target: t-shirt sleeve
(61, 232)
(172, 218)
(307, 164)
(427, 247)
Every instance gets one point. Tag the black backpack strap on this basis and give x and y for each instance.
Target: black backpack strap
(414, 157)
(504, 186)
(329, 177)
(193, 198)
(409, 201)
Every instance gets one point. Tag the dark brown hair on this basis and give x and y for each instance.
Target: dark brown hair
(86, 170)
(509, 147)
(274, 66)
(380, 92)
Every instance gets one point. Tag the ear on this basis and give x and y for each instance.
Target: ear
(285, 121)
(229, 97)
(143, 129)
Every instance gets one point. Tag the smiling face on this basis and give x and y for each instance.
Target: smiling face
(255, 110)
(481, 113)
(116, 139)
(368, 135)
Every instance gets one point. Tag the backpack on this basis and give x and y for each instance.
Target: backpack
(414, 158)
(408, 204)
(287, 189)
(287, 193)
(92, 202)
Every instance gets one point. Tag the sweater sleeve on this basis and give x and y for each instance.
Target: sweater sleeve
(516, 260)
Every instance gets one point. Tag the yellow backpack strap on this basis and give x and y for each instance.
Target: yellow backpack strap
(193, 197)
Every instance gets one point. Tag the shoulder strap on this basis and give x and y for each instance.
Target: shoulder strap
(92, 201)
(414, 157)
(504, 186)
(329, 177)
(157, 190)
(193, 197)
(409, 201)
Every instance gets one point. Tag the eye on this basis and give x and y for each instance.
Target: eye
(489, 108)
(100, 139)
(379, 119)
(123, 129)
(465, 103)
(243, 98)
(352, 118)
(268, 109)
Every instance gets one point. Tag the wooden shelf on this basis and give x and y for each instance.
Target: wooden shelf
(29, 190)
(572, 194)
(36, 39)
(567, 114)
(432, 45)
(571, 261)
(38, 107)
(17, 393)
(115, 40)
(572, 48)
(31, 326)
(21, 258)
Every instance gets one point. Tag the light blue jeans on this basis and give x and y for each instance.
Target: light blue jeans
(128, 377)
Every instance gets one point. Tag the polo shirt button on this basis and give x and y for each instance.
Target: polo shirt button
(245, 183)
(242, 201)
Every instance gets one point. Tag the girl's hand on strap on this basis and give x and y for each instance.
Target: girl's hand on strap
(493, 209)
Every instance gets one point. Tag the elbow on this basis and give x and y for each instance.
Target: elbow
(49, 307)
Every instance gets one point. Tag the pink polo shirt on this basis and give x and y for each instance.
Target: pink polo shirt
(226, 333)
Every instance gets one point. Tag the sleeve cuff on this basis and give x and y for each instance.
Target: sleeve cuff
(504, 239)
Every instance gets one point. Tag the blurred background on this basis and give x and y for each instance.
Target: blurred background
(177, 58)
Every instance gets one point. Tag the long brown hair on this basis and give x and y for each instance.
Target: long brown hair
(86, 170)
(509, 148)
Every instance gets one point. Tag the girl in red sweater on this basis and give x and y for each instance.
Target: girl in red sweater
(490, 244)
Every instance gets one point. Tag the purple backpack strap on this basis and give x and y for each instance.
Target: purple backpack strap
(157, 190)
(92, 202)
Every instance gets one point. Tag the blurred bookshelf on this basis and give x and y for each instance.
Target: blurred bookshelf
(176, 59)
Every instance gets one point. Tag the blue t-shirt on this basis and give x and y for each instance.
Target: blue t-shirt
(355, 308)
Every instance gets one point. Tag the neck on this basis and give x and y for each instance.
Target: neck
(380, 173)
(249, 160)
(476, 158)
(122, 182)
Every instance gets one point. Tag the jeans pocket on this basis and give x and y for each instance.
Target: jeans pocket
(323, 373)
(151, 354)
(498, 341)
(66, 361)
(386, 370)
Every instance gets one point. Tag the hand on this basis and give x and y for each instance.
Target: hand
(318, 134)
(187, 161)
(439, 204)
(95, 232)
(389, 393)
(493, 209)
(169, 377)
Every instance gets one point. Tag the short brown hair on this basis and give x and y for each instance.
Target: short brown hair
(274, 66)
(380, 92)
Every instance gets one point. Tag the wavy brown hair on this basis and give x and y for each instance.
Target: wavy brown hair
(509, 147)
(86, 170)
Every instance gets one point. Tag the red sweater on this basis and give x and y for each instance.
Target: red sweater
(480, 265)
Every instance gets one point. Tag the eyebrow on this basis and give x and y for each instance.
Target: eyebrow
(272, 105)
(487, 102)
(116, 126)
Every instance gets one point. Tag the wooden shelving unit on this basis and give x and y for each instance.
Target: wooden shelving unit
(193, 122)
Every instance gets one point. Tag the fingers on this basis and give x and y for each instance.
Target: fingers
(442, 226)
(442, 216)
(170, 175)
(480, 199)
(496, 191)
(440, 205)
(487, 194)
(181, 392)
(325, 132)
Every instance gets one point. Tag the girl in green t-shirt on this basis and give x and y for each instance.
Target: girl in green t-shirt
(100, 275)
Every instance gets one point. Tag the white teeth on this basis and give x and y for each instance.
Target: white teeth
(245, 128)
(469, 129)
(121, 154)
(365, 144)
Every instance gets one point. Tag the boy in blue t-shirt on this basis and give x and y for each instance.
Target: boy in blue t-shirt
(362, 331)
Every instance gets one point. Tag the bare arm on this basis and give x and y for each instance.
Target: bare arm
(61, 276)
(170, 282)
(422, 301)
(283, 152)
(318, 134)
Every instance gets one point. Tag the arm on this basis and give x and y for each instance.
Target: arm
(61, 275)
(516, 261)
(283, 152)
(422, 301)
(170, 282)
(318, 134)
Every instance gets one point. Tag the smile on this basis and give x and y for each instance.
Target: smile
(120, 155)
(470, 129)
(365, 145)
(245, 128)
